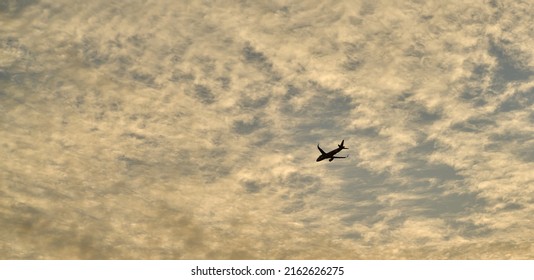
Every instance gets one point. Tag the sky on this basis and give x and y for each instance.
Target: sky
(189, 129)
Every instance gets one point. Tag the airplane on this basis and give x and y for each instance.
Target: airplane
(330, 155)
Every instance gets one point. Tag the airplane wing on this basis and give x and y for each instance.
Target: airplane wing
(341, 157)
(322, 152)
(333, 157)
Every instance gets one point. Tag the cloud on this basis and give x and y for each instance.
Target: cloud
(163, 130)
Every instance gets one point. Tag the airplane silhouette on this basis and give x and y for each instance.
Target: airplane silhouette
(330, 155)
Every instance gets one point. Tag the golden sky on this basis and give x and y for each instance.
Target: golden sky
(176, 130)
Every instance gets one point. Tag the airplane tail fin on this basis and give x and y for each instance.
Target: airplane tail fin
(341, 145)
